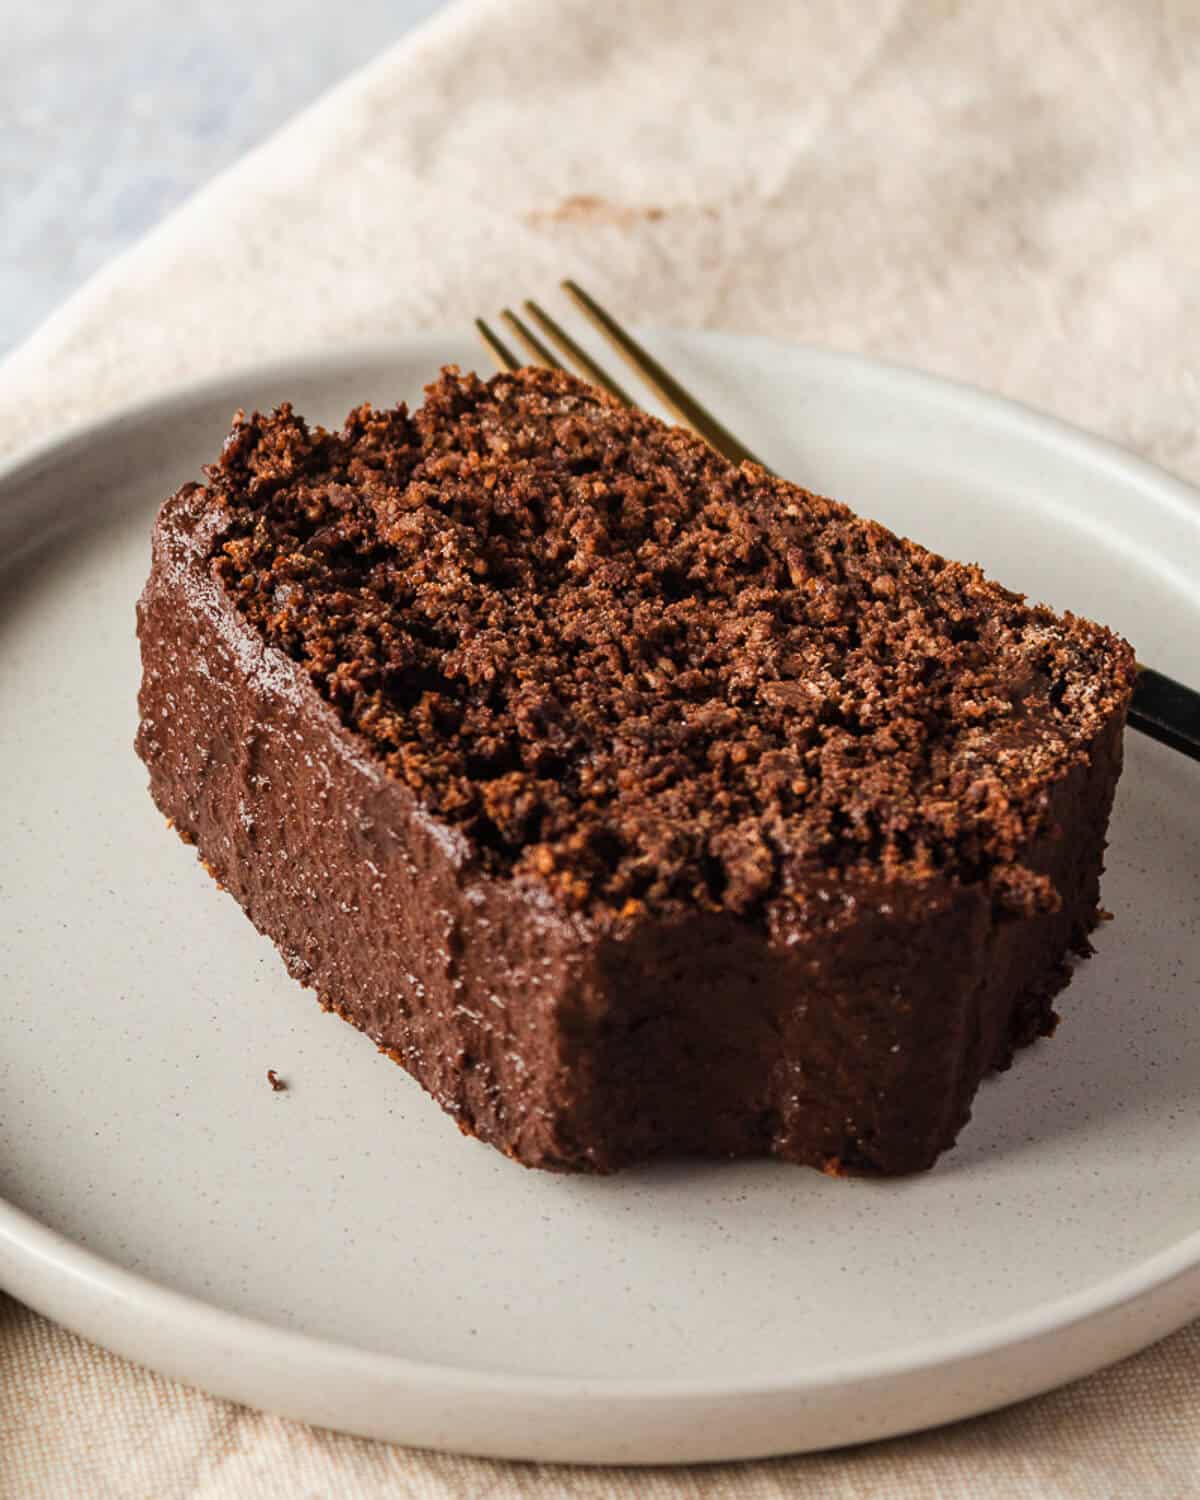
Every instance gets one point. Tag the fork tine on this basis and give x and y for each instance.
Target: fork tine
(496, 347)
(666, 387)
(582, 360)
(541, 354)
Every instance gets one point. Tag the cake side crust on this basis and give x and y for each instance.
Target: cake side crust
(377, 907)
(857, 1044)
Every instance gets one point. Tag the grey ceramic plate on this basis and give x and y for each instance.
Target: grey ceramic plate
(341, 1254)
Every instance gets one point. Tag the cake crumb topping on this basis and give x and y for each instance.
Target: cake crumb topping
(644, 677)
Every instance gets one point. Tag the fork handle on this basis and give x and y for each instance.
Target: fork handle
(1166, 710)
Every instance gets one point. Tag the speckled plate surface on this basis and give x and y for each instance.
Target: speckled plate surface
(339, 1253)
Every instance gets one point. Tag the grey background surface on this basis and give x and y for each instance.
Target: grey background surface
(112, 112)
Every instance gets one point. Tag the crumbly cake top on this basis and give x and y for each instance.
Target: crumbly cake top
(642, 676)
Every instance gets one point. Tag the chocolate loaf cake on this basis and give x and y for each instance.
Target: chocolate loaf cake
(635, 803)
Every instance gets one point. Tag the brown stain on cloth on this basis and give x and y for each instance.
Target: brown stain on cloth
(590, 210)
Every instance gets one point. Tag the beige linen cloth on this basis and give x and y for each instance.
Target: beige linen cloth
(1005, 192)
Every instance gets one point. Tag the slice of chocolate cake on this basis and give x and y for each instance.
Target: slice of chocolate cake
(635, 803)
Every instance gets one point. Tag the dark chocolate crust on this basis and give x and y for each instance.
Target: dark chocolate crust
(571, 999)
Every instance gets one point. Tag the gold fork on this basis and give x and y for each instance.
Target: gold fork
(660, 380)
(1166, 710)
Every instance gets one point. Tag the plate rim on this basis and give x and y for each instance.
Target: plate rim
(68, 1265)
(73, 1263)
